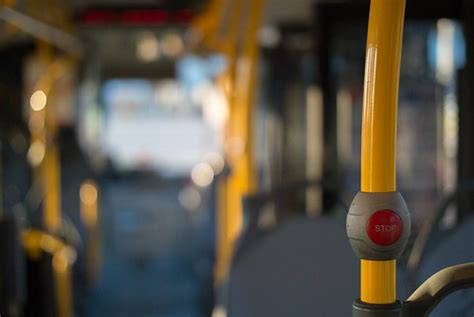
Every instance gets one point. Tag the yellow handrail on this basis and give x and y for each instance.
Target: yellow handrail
(379, 125)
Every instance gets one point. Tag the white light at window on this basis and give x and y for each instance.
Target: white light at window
(172, 45)
(216, 161)
(36, 153)
(189, 198)
(38, 100)
(215, 108)
(148, 48)
(202, 174)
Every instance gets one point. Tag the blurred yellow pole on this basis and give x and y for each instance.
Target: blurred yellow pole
(44, 157)
(239, 82)
(226, 43)
(37, 117)
(379, 131)
(314, 148)
(240, 144)
(50, 170)
(62, 275)
(207, 24)
(247, 83)
(43, 127)
(90, 218)
(88, 195)
(52, 188)
(222, 245)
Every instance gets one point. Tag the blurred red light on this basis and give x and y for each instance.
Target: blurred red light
(135, 17)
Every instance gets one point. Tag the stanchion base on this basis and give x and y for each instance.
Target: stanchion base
(361, 309)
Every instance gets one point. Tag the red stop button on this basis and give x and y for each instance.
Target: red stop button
(384, 227)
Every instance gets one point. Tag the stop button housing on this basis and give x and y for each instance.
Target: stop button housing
(378, 225)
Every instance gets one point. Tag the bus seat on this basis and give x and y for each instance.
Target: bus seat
(305, 267)
(455, 249)
(12, 269)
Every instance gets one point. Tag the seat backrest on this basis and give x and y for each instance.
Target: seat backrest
(41, 288)
(12, 269)
(456, 249)
(305, 267)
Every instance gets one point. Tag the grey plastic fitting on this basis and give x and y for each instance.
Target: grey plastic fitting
(360, 309)
(378, 225)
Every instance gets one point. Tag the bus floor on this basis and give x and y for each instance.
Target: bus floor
(149, 262)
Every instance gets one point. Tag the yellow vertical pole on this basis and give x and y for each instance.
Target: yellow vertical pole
(44, 128)
(63, 280)
(233, 141)
(226, 42)
(51, 173)
(249, 78)
(241, 125)
(314, 148)
(242, 79)
(52, 187)
(51, 180)
(90, 218)
(235, 35)
(36, 121)
(222, 246)
(379, 122)
(37, 140)
(44, 153)
(236, 145)
(207, 23)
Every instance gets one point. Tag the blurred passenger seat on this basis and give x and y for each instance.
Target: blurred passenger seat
(457, 248)
(304, 267)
